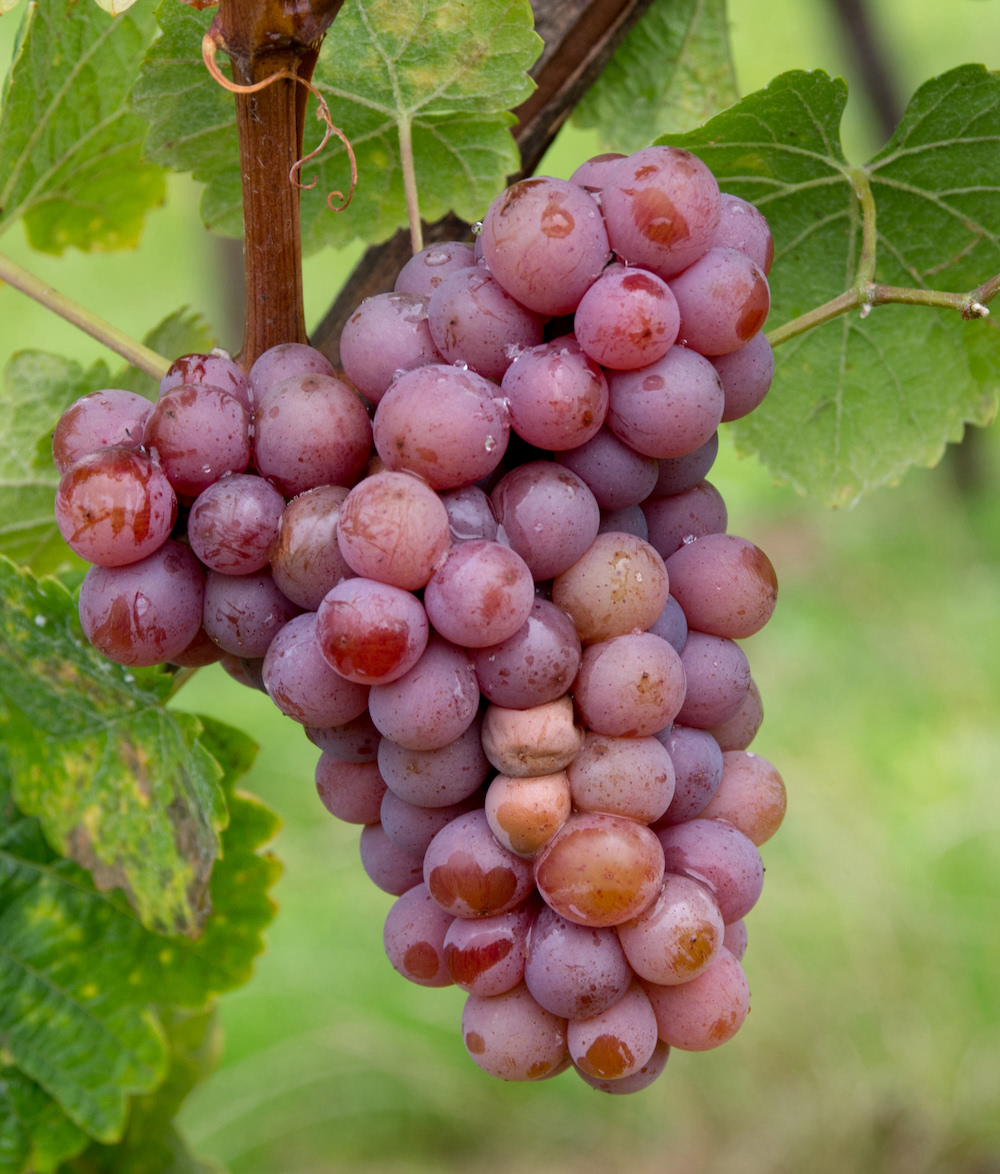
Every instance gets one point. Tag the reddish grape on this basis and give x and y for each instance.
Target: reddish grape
(726, 585)
(351, 791)
(198, 434)
(676, 937)
(371, 632)
(743, 227)
(751, 796)
(99, 420)
(480, 593)
(306, 560)
(386, 334)
(617, 1042)
(510, 1036)
(147, 612)
(705, 1012)
(115, 507)
(233, 524)
(216, 369)
(302, 684)
(558, 396)
(629, 686)
(485, 956)
(414, 937)
(469, 874)
(627, 319)
(425, 270)
(723, 300)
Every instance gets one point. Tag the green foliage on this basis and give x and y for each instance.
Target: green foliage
(447, 71)
(70, 150)
(671, 72)
(855, 403)
(120, 785)
(36, 389)
(80, 976)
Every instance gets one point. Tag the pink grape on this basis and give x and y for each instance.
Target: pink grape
(744, 227)
(616, 474)
(674, 520)
(725, 584)
(485, 956)
(723, 300)
(617, 1042)
(388, 868)
(627, 319)
(469, 874)
(436, 778)
(306, 560)
(311, 430)
(545, 242)
(705, 1012)
(512, 1037)
(115, 507)
(147, 612)
(574, 971)
(302, 684)
(629, 686)
(351, 791)
(662, 208)
(479, 594)
(233, 524)
(718, 677)
(198, 434)
(243, 613)
(425, 270)
(99, 420)
(414, 938)
(370, 632)
(216, 369)
(287, 360)
(447, 425)
(386, 334)
(558, 397)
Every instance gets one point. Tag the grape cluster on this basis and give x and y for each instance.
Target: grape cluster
(485, 571)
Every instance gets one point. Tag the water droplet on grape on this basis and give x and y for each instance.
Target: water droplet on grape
(490, 443)
(687, 539)
(477, 228)
(461, 365)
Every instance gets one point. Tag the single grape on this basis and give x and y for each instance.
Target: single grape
(697, 763)
(723, 300)
(243, 613)
(548, 515)
(746, 376)
(198, 434)
(628, 318)
(387, 334)
(485, 956)
(640, 1079)
(216, 369)
(147, 612)
(631, 777)
(370, 632)
(99, 420)
(718, 677)
(590, 175)
(479, 594)
(738, 731)
(469, 874)
(393, 527)
(618, 585)
(446, 424)
(535, 665)
(525, 813)
(574, 971)
(751, 796)
(287, 360)
(668, 409)
(432, 704)
(306, 560)
(616, 474)
(311, 430)
(662, 208)
(115, 507)
(414, 938)
(351, 791)
(558, 397)
(545, 242)
(510, 1036)
(743, 227)
(617, 1042)
(475, 322)
(425, 270)
(528, 742)
(725, 584)
(600, 870)
(351, 741)
(388, 868)
(436, 778)
(411, 827)
(676, 937)
(629, 686)
(233, 524)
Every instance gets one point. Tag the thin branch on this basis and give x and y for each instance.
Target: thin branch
(969, 305)
(114, 339)
(410, 184)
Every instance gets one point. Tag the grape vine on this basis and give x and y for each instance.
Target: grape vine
(123, 817)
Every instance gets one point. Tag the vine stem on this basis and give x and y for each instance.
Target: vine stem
(866, 292)
(114, 339)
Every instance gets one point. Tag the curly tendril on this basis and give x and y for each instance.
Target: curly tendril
(210, 45)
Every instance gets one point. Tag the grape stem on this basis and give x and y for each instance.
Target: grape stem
(867, 292)
(114, 339)
(410, 184)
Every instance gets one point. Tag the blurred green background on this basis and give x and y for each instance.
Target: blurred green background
(874, 958)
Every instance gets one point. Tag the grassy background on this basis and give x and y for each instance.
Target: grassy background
(874, 961)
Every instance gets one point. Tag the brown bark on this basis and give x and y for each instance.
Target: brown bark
(580, 36)
(263, 38)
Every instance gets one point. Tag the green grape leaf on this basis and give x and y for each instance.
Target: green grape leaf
(120, 784)
(857, 401)
(36, 389)
(672, 71)
(447, 69)
(184, 332)
(70, 149)
(152, 1144)
(79, 973)
(35, 1134)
